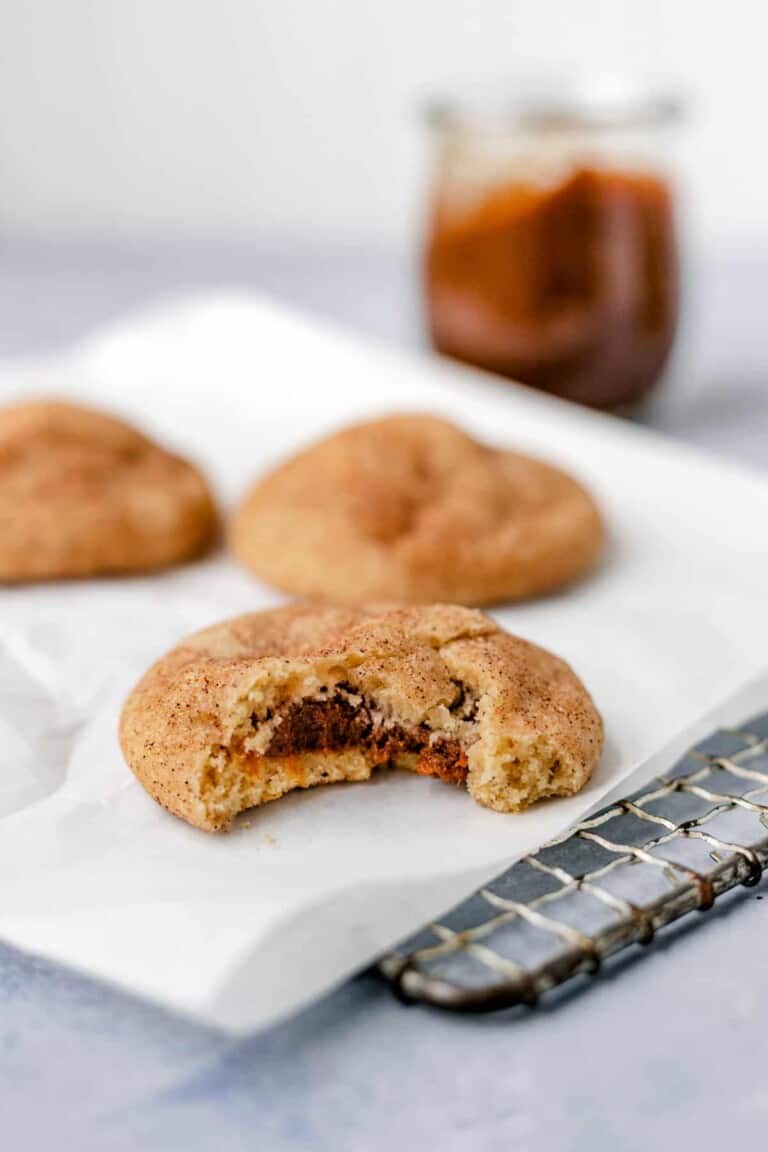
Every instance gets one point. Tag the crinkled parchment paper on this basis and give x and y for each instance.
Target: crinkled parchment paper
(239, 929)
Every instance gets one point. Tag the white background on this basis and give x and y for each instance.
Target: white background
(301, 116)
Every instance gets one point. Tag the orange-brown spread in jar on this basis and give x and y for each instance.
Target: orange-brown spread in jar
(570, 287)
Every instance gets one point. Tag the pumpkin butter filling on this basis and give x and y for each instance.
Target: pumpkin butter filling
(335, 724)
(333, 734)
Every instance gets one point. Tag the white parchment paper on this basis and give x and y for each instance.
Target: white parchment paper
(240, 929)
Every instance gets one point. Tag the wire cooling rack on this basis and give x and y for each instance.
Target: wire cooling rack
(612, 881)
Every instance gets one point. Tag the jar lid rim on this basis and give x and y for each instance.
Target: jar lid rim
(581, 108)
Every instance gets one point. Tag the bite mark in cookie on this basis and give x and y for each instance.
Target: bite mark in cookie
(255, 707)
(333, 723)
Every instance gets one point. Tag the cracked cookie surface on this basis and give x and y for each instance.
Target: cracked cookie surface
(411, 509)
(254, 707)
(85, 494)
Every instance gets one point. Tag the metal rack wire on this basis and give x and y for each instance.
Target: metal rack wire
(612, 881)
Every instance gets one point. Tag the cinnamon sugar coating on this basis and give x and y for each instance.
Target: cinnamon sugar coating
(85, 494)
(411, 509)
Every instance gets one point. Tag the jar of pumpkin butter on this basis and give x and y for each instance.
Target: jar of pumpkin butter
(551, 252)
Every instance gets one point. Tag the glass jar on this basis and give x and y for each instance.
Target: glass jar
(551, 255)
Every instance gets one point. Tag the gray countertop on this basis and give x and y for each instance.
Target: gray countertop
(662, 1050)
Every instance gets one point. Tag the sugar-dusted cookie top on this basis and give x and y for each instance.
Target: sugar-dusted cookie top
(85, 494)
(410, 508)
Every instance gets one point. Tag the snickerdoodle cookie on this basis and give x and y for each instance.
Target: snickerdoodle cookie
(254, 707)
(85, 494)
(411, 509)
